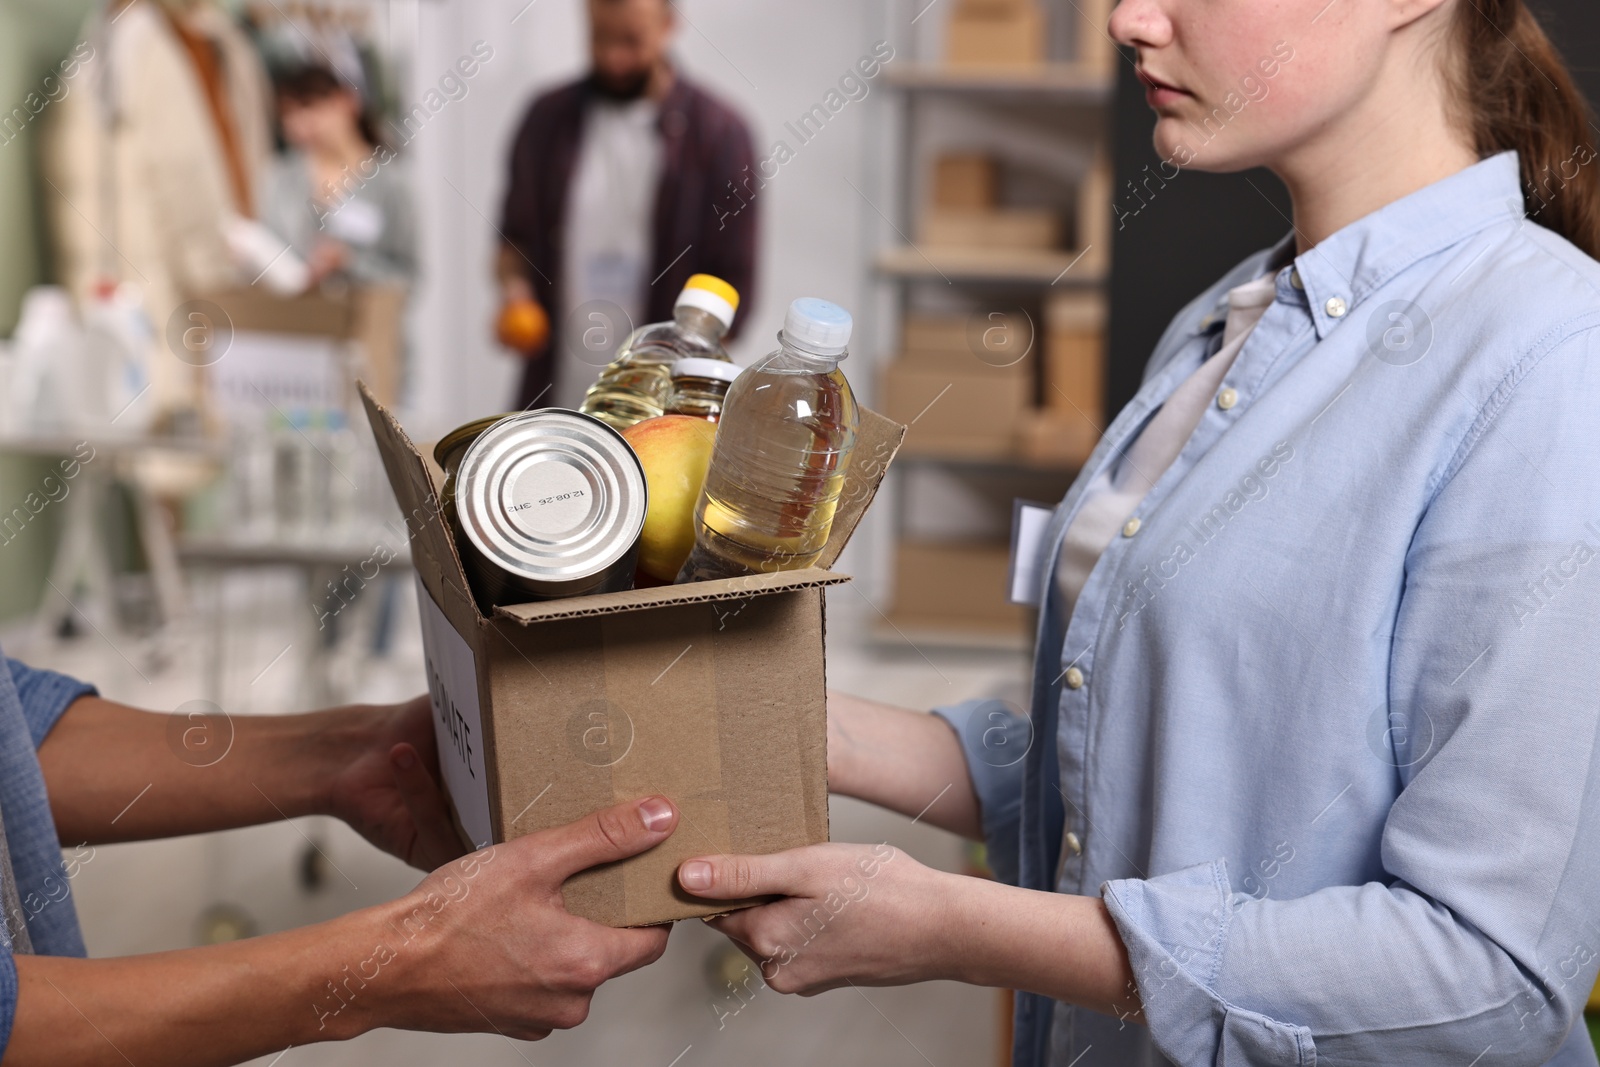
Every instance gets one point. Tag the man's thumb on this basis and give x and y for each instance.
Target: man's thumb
(608, 835)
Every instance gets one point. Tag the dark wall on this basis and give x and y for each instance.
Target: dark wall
(1173, 238)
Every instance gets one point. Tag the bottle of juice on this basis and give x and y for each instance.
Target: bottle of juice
(782, 448)
(634, 385)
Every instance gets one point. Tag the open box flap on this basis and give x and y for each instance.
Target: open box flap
(416, 490)
(695, 593)
(876, 444)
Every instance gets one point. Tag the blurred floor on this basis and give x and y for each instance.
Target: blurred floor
(150, 896)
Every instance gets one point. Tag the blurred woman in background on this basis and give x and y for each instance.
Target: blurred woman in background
(339, 195)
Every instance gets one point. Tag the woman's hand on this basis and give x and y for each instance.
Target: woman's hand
(852, 914)
(388, 790)
(871, 915)
(326, 258)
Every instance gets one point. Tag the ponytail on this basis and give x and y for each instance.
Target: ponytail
(1515, 93)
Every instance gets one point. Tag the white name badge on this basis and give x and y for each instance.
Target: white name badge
(356, 222)
(1029, 524)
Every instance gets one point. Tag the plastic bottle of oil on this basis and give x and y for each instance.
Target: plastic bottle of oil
(635, 384)
(700, 387)
(782, 449)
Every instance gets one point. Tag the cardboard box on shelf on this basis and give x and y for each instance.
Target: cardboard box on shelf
(1011, 36)
(1075, 354)
(958, 586)
(710, 693)
(1096, 50)
(1091, 230)
(965, 182)
(991, 343)
(957, 415)
(1060, 439)
(991, 7)
(1008, 228)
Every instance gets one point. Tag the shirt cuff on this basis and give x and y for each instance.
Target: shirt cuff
(45, 696)
(1175, 927)
(994, 739)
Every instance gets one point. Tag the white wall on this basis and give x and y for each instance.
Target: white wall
(771, 60)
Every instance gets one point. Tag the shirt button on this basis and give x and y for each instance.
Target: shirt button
(1227, 398)
(1131, 527)
(1074, 678)
(1294, 279)
(1336, 307)
(1074, 844)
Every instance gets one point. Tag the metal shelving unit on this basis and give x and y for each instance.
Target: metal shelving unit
(1065, 107)
(1042, 268)
(1071, 84)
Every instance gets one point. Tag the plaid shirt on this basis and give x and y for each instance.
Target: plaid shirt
(701, 223)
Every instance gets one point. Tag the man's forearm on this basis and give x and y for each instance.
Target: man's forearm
(118, 774)
(222, 1004)
(906, 761)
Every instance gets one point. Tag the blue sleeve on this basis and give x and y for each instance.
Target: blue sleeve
(994, 739)
(1481, 931)
(8, 995)
(45, 695)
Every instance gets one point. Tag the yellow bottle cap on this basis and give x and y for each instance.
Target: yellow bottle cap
(716, 286)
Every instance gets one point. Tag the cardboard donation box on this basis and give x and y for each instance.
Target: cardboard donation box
(709, 693)
(368, 317)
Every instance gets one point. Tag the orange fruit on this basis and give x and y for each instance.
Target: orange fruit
(523, 326)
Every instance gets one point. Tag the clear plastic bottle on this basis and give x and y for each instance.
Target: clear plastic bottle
(700, 387)
(340, 488)
(782, 449)
(293, 488)
(252, 470)
(634, 385)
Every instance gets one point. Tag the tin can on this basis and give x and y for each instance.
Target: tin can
(450, 450)
(548, 504)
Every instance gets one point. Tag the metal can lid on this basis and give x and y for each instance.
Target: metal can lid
(453, 445)
(551, 495)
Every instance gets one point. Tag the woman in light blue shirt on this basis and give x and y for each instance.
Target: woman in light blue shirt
(1309, 774)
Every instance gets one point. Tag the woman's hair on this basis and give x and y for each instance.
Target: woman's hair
(1513, 91)
(311, 83)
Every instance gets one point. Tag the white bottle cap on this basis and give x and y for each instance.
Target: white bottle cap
(700, 367)
(818, 327)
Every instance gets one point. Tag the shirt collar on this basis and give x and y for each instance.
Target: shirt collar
(1270, 261)
(1349, 266)
(1346, 268)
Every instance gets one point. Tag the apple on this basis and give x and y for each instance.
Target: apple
(675, 451)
